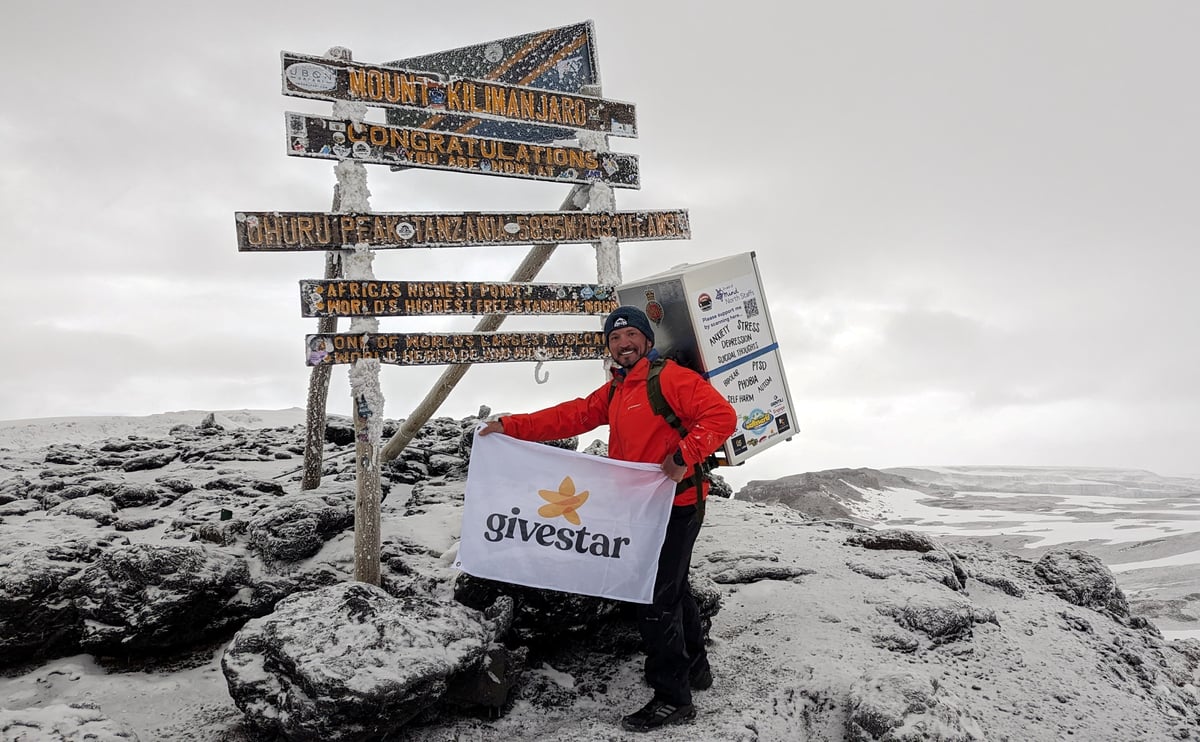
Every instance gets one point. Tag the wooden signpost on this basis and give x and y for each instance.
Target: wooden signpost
(561, 59)
(523, 100)
(262, 231)
(409, 298)
(394, 87)
(334, 139)
(429, 349)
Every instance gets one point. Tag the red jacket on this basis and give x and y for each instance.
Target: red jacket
(635, 433)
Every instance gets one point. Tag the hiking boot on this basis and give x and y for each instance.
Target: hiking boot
(657, 714)
(700, 678)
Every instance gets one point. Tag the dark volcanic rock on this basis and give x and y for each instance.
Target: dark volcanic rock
(545, 617)
(20, 507)
(892, 538)
(177, 485)
(350, 662)
(948, 570)
(96, 507)
(296, 526)
(151, 460)
(902, 705)
(1081, 579)
(15, 488)
(147, 597)
(539, 615)
(823, 495)
(66, 453)
(943, 619)
(136, 495)
(35, 619)
(245, 486)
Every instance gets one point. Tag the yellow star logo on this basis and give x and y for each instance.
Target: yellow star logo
(563, 502)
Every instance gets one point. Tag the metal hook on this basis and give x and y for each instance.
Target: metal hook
(541, 357)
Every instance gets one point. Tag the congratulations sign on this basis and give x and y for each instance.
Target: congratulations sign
(334, 139)
(549, 518)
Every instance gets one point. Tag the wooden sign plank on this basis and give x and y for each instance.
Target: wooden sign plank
(326, 298)
(424, 349)
(262, 231)
(323, 78)
(561, 58)
(333, 139)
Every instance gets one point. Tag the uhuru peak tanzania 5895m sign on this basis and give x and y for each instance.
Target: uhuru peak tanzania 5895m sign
(334, 139)
(275, 230)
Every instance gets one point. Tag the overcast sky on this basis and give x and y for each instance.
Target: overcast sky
(978, 221)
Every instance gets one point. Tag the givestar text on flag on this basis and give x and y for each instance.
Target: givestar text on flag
(546, 517)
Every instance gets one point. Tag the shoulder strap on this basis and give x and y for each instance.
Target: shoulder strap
(658, 403)
(660, 407)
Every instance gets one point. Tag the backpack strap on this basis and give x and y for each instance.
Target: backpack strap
(660, 407)
(658, 403)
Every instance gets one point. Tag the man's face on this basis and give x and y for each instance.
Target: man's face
(627, 346)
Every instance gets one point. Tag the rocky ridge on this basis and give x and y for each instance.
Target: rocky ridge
(148, 551)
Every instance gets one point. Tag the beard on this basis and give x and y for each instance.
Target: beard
(630, 360)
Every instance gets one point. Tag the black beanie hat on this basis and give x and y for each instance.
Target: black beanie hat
(628, 316)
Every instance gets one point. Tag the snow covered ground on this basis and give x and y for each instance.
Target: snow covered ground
(1149, 526)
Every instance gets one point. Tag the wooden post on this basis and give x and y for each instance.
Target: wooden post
(602, 198)
(526, 271)
(366, 399)
(318, 384)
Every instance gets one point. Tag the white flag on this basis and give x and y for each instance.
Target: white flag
(546, 517)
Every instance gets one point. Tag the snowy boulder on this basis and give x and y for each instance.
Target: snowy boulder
(20, 507)
(35, 619)
(943, 618)
(95, 507)
(15, 488)
(245, 486)
(545, 617)
(76, 721)
(434, 492)
(896, 539)
(718, 487)
(176, 485)
(297, 526)
(350, 662)
(905, 706)
(935, 562)
(539, 615)
(1081, 579)
(136, 495)
(150, 460)
(150, 597)
(66, 454)
(339, 430)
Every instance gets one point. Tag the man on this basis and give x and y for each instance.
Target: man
(676, 660)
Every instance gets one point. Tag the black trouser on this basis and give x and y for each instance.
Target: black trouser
(670, 626)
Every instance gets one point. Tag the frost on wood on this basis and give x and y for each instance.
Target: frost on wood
(364, 387)
(608, 261)
(601, 198)
(357, 263)
(608, 251)
(352, 185)
(594, 140)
